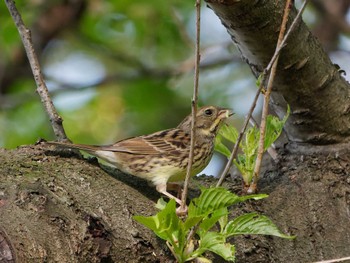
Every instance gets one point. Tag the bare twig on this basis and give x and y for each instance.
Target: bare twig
(271, 150)
(265, 72)
(239, 139)
(55, 119)
(334, 260)
(194, 106)
(253, 186)
(283, 43)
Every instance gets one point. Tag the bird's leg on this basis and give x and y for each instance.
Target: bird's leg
(175, 187)
(161, 188)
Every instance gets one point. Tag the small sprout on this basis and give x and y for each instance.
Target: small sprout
(245, 162)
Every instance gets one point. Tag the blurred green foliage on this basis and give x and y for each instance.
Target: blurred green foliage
(115, 69)
(144, 55)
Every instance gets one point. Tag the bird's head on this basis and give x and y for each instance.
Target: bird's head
(208, 120)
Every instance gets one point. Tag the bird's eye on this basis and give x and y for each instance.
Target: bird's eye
(208, 112)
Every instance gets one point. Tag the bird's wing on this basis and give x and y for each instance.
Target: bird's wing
(171, 141)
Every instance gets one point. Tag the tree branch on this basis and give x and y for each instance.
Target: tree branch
(251, 110)
(265, 111)
(306, 79)
(55, 119)
(194, 105)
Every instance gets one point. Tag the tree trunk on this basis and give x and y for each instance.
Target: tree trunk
(306, 79)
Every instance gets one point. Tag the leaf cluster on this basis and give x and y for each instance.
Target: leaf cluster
(190, 238)
(245, 161)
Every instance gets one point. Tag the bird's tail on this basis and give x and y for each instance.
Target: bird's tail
(84, 147)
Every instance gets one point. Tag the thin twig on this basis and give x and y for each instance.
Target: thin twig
(239, 139)
(194, 106)
(265, 72)
(333, 260)
(55, 119)
(286, 36)
(265, 111)
(271, 150)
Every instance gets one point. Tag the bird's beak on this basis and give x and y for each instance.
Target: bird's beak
(225, 113)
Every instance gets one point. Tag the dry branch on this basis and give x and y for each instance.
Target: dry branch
(193, 105)
(55, 119)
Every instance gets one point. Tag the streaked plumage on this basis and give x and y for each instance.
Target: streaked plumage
(162, 156)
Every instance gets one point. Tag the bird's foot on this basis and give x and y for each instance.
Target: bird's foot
(181, 211)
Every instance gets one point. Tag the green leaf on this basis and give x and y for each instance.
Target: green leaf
(220, 147)
(252, 223)
(203, 260)
(223, 222)
(215, 198)
(216, 243)
(259, 79)
(211, 220)
(229, 132)
(161, 204)
(274, 127)
(166, 225)
(211, 199)
(191, 221)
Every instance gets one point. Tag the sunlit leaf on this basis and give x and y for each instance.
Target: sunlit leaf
(274, 127)
(211, 220)
(203, 260)
(212, 199)
(220, 147)
(252, 223)
(229, 132)
(216, 242)
(166, 225)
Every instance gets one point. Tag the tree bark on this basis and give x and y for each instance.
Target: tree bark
(57, 209)
(306, 78)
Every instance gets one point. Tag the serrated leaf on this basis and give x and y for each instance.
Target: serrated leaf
(216, 243)
(253, 224)
(212, 199)
(211, 220)
(274, 127)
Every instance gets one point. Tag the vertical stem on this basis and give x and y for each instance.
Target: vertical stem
(266, 70)
(239, 139)
(193, 105)
(253, 186)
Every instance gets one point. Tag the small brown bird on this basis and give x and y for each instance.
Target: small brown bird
(162, 157)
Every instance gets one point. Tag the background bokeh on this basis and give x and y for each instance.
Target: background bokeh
(121, 68)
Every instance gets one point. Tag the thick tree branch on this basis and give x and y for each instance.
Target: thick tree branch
(55, 119)
(307, 80)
